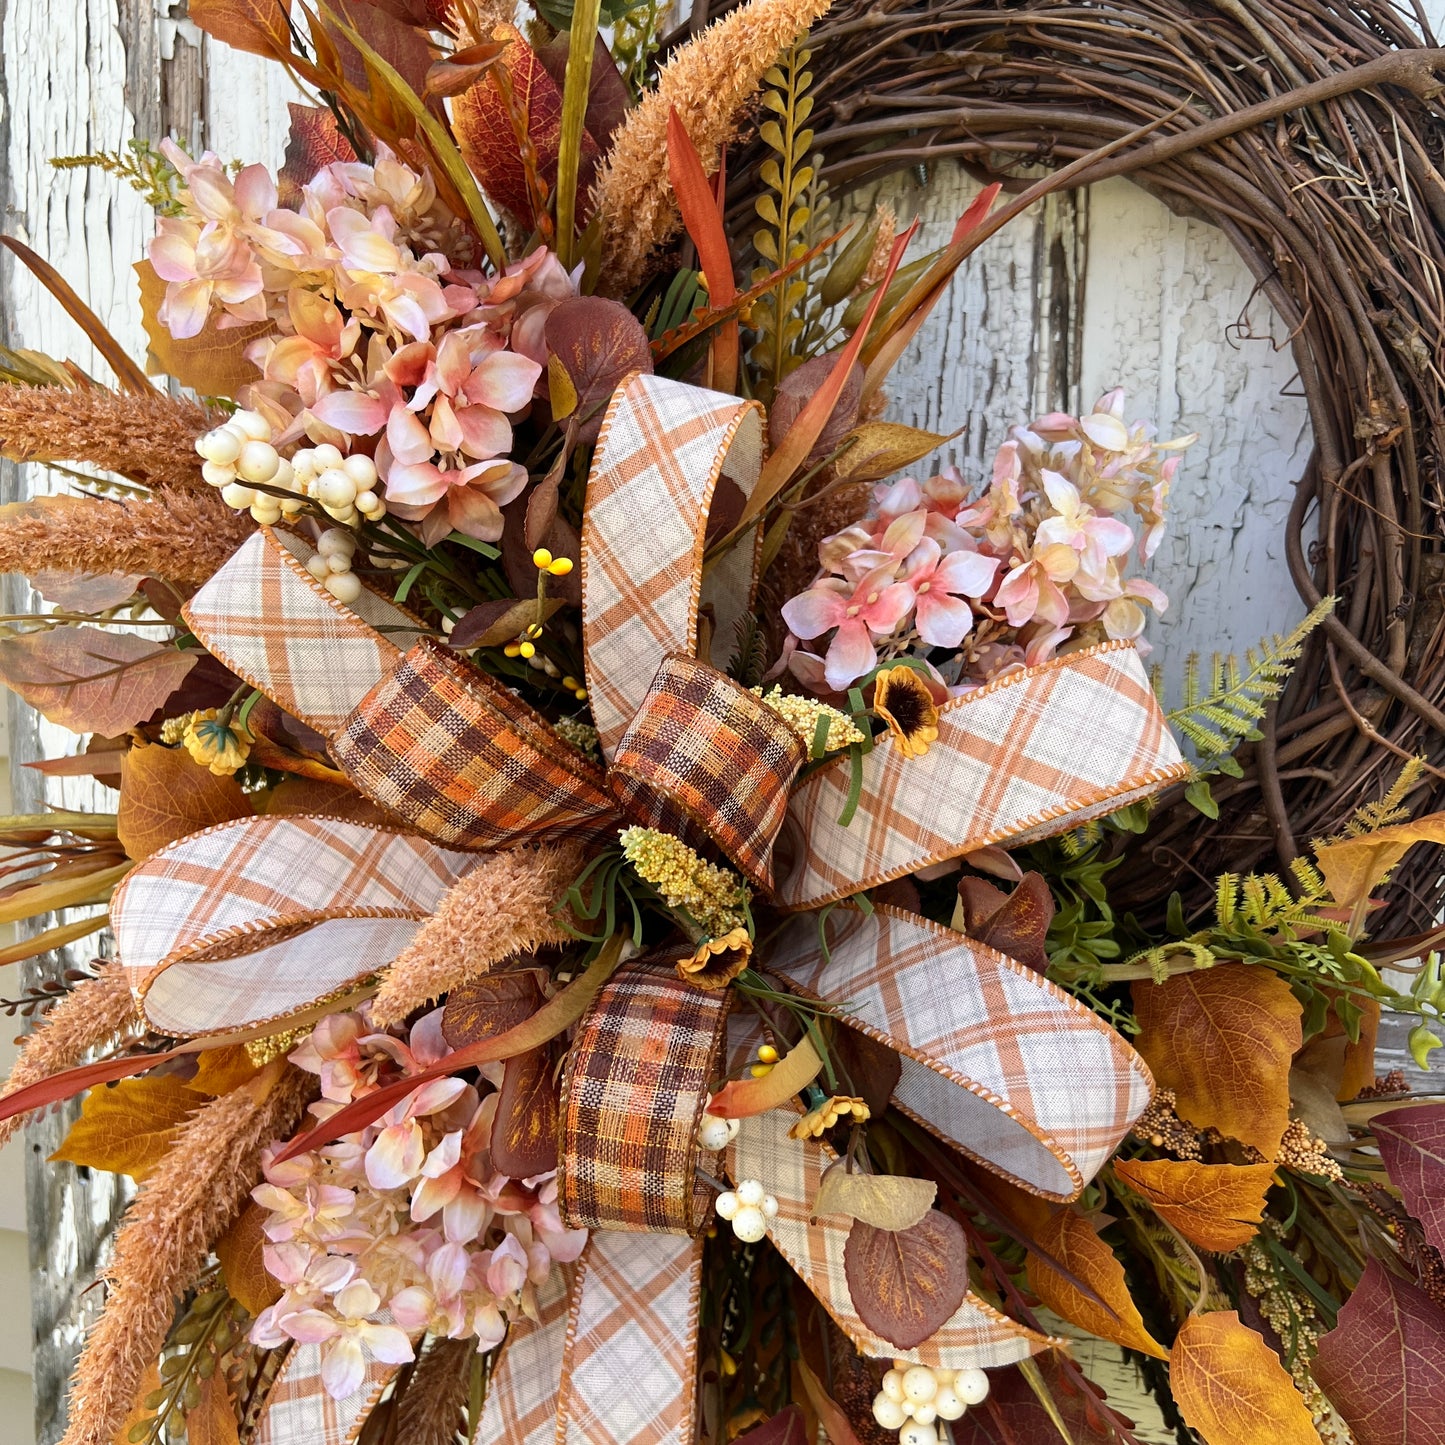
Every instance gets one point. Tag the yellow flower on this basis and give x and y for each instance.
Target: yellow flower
(802, 714)
(902, 699)
(220, 746)
(716, 898)
(816, 1122)
(717, 961)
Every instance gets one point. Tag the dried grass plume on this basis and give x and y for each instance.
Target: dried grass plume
(192, 1198)
(91, 1014)
(431, 1409)
(149, 439)
(502, 907)
(179, 536)
(708, 81)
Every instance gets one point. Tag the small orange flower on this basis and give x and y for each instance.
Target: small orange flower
(902, 699)
(717, 961)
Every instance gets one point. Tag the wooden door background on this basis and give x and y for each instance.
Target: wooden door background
(1094, 289)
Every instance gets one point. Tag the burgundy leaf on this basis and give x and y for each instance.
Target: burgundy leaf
(313, 143)
(1412, 1146)
(1383, 1365)
(905, 1284)
(524, 1134)
(600, 342)
(608, 98)
(490, 1005)
(1013, 1415)
(1016, 924)
(796, 391)
(787, 1427)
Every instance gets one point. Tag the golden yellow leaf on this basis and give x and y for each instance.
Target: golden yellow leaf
(1222, 1039)
(221, 1070)
(1072, 1241)
(213, 1421)
(1231, 1387)
(213, 362)
(239, 1251)
(1355, 867)
(129, 1127)
(165, 794)
(1216, 1206)
(880, 448)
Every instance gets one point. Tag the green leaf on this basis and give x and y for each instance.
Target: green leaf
(1199, 795)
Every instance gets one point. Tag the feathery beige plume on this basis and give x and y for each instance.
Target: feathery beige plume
(502, 907)
(431, 1409)
(193, 1197)
(708, 81)
(149, 439)
(179, 536)
(91, 1014)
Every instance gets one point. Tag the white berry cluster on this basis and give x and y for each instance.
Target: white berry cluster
(331, 566)
(239, 457)
(914, 1397)
(714, 1133)
(748, 1209)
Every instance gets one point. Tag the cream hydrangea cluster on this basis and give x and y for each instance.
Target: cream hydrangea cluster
(915, 1397)
(240, 458)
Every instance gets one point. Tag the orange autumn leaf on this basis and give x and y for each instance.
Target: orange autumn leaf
(213, 1419)
(165, 794)
(219, 1071)
(150, 1382)
(1354, 867)
(129, 1128)
(1216, 1206)
(213, 362)
(1074, 1243)
(1231, 1387)
(1222, 1039)
(256, 26)
(239, 1251)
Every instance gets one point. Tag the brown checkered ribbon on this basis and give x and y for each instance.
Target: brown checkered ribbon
(706, 761)
(638, 1076)
(459, 757)
(257, 919)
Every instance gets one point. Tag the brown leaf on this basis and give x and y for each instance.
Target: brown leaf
(1216, 1206)
(886, 1201)
(1012, 1401)
(785, 1428)
(1383, 1365)
(1015, 924)
(1355, 867)
(213, 1421)
(562, 540)
(600, 342)
(1231, 1387)
(91, 680)
(877, 449)
(100, 758)
(255, 26)
(499, 621)
(490, 1005)
(796, 390)
(239, 1251)
(1222, 1039)
(873, 1069)
(837, 1427)
(1073, 1242)
(524, 1134)
(608, 98)
(212, 362)
(165, 795)
(1359, 1070)
(1314, 1085)
(85, 591)
(129, 1128)
(906, 1284)
(313, 143)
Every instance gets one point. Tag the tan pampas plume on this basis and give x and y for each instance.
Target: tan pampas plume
(92, 1014)
(708, 81)
(179, 536)
(149, 439)
(502, 907)
(193, 1197)
(431, 1409)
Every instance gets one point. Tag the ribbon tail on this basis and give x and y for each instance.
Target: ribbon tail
(629, 1370)
(997, 1061)
(522, 1394)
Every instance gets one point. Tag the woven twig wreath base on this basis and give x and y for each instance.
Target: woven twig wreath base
(1312, 133)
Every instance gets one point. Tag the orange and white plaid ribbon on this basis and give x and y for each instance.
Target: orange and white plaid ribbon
(251, 920)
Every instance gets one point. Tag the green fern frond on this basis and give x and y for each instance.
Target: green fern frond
(749, 658)
(1077, 841)
(1216, 721)
(1226, 899)
(141, 166)
(1391, 808)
